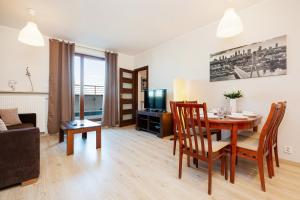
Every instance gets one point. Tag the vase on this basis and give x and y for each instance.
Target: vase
(233, 105)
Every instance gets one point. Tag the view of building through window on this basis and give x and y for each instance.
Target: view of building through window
(92, 82)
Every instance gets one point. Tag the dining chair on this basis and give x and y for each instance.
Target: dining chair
(273, 146)
(274, 140)
(216, 132)
(175, 132)
(192, 141)
(258, 149)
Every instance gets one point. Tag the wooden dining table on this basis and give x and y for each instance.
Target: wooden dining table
(234, 125)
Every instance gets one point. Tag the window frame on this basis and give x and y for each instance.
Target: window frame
(81, 96)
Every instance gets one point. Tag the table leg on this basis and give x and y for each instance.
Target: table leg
(255, 129)
(70, 143)
(84, 135)
(234, 132)
(98, 138)
(61, 135)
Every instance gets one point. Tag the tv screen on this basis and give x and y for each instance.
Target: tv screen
(155, 99)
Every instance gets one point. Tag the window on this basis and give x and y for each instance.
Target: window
(89, 79)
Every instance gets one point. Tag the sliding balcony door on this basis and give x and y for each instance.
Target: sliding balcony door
(89, 72)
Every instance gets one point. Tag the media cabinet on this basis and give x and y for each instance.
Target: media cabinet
(158, 123)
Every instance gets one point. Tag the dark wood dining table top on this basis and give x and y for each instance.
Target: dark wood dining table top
(229, 120)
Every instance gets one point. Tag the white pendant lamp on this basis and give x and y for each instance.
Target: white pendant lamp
(31, 34)
(230, 24)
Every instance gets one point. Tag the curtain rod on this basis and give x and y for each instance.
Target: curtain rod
(86, 47)
(95, 49)
(83, 46)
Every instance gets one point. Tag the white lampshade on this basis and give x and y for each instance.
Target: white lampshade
(31, 35)
(230, 24)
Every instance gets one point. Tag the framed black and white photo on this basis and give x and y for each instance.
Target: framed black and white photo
(267, 58)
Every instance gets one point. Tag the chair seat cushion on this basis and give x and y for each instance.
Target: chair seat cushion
(250, 133)
(248, 143)
(245, 142)
(20, 126)
(216, 145)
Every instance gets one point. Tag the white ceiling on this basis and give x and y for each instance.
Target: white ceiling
(127, 26)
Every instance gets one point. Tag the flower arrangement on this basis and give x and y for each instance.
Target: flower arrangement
(234, 94)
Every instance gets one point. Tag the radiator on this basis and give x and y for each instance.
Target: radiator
(28, 103)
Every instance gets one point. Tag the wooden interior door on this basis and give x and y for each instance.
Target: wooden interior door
(127, 97)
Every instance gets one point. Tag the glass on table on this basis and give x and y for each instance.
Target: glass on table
(221, 112)
(227, 110)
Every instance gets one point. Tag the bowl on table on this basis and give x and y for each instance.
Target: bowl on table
(237, 116)
(249, 114)
(210, 115)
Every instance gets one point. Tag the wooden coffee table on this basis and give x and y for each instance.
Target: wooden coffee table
(79, 126)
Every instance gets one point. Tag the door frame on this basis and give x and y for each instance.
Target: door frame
(136, 81)
(135, 91)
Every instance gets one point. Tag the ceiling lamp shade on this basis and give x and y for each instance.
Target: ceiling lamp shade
(230, 24)
(31, 35)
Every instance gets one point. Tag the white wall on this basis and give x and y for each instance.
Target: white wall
(15, 57)
(187, 57)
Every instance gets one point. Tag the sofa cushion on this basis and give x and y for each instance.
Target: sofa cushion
(19, 126)
(2, 126)
(10, 116)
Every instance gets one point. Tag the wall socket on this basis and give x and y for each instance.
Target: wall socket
(287, 150)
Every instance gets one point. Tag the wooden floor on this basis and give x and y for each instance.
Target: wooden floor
(138, 165)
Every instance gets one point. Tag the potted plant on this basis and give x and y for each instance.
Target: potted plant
(233, 96)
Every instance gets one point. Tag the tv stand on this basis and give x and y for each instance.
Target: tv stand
(156, 122)
(153, 110)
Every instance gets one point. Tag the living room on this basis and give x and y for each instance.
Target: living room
(95, 98)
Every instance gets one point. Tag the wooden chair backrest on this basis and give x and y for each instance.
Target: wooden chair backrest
(278, 121)
(172, 104)
(190, 101)
(266, 132)
(173, 108)
(191, 139)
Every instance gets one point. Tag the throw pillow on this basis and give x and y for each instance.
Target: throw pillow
(10, 116)
(2, 126)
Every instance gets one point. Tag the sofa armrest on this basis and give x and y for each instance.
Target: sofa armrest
(19, 155)
(28, 118)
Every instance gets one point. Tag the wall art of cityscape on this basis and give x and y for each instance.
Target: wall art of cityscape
(267, 58)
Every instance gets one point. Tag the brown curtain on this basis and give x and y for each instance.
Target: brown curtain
(110, 111)
(61, 98)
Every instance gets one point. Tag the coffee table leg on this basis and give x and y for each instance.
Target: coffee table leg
(70, 143)
(84, 135)
(61, 135)
(98, 138)
(234, 132)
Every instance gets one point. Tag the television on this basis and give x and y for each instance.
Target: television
(155, 100)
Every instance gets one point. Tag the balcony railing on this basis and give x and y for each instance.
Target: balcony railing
(90, 90)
